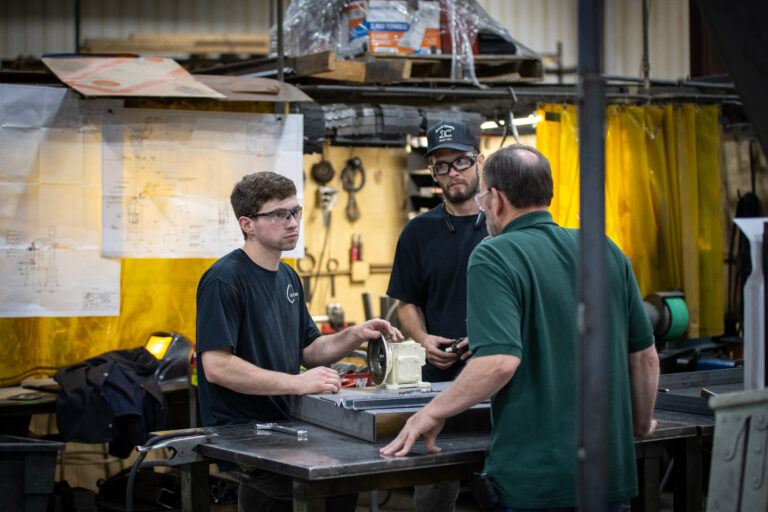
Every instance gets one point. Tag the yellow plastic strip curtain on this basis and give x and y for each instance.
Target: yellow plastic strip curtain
(662, 197)
(155, 295)
(557, 138)
(711, 229)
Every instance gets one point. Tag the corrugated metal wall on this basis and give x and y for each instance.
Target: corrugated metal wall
(34, 27)
(540, 24)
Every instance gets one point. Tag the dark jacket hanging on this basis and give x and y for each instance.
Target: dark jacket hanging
(111, 398)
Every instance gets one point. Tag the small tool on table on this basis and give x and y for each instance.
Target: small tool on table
(300, 434)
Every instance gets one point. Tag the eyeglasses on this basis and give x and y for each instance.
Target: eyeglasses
(478, 198)
(280, 217)
(460, 164)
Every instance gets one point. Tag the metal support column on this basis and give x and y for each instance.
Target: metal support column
(195, 487)
(593, 395)
(280, 108)
(78, 24)
(765, 301)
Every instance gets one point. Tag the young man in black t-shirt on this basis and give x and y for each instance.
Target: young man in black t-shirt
(254, 330)
(430, 266)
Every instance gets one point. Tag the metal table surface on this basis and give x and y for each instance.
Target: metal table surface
(327, 454)
(330, 463)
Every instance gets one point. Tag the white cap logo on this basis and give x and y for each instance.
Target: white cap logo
(444, 133)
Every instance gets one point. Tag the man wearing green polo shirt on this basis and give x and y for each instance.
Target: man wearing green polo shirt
(521, 325)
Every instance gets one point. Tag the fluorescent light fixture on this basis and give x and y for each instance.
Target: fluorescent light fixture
(532, 119)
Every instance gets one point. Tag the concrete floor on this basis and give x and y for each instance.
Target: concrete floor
(401, 500)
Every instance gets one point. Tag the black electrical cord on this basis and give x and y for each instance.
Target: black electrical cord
(139, 462)
(319, 265)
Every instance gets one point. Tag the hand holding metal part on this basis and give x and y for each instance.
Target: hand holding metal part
(460, 347)
(434, 347)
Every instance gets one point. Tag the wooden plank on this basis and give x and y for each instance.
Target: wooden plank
(313, 63)
(182, 43)
(387, 72)
(367, 72)
(346, 70)
(241, 88)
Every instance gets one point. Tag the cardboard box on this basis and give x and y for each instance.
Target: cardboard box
(391, 26)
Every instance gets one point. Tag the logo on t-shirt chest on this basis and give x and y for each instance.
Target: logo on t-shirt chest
(291, 294)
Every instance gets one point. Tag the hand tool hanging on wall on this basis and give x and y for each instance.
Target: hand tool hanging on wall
(354, 166)
(322, 172)
(332, 266)
(306, 265)
(354, 250)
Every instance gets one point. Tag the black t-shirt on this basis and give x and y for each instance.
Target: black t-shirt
(430, 271)
(260, 314)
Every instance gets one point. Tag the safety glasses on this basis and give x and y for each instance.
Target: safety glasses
(280, 217)
(460, 164)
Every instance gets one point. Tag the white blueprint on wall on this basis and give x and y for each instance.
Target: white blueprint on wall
(50, 159)
(167, 176)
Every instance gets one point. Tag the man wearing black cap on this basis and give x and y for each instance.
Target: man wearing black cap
(430, 266)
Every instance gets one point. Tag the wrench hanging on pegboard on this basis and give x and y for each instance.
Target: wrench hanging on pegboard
(348, 177)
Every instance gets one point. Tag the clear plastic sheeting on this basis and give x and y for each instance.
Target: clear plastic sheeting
(460, 28)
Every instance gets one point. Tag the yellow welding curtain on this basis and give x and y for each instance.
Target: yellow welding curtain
(155, 295)
(662, 196)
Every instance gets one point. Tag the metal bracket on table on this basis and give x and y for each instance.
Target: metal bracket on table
(183, 448)
(300, 434)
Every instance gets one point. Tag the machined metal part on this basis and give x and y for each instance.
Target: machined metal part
(377, 414)
(301, 434)
(454, 347)
(689, 392)
(378, 360)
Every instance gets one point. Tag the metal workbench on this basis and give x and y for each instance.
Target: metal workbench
(329, 463)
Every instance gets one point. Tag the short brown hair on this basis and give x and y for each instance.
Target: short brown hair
(524, 182)
(253, 190)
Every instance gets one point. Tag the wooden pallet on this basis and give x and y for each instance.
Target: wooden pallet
(373, 68)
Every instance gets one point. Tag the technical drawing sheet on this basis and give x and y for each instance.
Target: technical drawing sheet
(50, 188)
(167, 176)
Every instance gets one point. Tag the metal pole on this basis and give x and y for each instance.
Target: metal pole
(765, 303)
(593, 395)
(646, 58)
(78, 21)
(280, 107)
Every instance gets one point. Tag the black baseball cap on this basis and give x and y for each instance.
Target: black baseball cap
(451, 135)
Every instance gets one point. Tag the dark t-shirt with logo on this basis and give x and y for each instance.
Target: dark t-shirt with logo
(262, 315)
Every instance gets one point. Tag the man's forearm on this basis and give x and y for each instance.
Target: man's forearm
(644, 384)
(481, 378)
(329, 348)
(411, 319)
(232, 372)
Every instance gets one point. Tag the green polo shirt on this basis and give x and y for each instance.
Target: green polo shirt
(521, 301)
